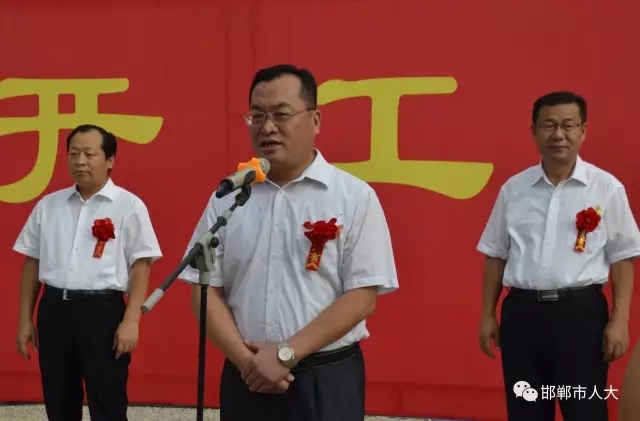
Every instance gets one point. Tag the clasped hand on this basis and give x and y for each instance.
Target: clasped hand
(264, 373)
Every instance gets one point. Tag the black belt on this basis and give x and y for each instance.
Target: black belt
(320, 359)
(553, 294)
(82, 294)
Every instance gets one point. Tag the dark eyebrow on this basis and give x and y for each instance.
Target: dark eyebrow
(275, 107)
(564, 120)
(282, 105)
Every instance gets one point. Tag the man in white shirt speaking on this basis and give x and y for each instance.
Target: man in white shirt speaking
(287, 308)
(556, 232)
(89, 245)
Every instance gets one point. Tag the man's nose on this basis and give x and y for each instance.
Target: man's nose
(269, 127)
(558, 134)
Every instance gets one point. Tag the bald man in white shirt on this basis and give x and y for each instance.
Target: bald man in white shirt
(89, 245)
(555, 233)
(289, 323)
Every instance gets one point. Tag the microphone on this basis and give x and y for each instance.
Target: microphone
(254, 171)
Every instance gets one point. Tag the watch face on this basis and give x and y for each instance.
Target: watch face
(285, 353)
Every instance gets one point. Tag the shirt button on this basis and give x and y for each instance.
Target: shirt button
(274, 257)
(71, 269)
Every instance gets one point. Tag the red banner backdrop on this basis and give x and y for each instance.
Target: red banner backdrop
(427, 100)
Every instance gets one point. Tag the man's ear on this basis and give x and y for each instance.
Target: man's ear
(317, 118)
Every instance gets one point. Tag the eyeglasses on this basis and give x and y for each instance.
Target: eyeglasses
(278, 117)
(566, 128)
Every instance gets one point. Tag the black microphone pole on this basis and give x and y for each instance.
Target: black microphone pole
(202, 257)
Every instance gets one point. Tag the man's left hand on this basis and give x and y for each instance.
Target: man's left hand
(615, 340)
(264, 370)
(126, 338)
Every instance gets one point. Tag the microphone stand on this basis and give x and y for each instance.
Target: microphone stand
(202, 257)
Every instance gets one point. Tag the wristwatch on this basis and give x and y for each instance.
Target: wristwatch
(286, 356)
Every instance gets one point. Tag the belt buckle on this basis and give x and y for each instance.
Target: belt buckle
(548, 295)
(64, 295)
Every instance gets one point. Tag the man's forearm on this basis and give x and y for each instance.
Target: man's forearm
(622, 273)
(221, 326)
(29, 289)
(630, 399)
(492, 285)
(138, 288)
(335, 321)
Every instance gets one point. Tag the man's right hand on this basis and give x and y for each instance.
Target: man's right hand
(276, 388)
(489, 332)
(27, 334)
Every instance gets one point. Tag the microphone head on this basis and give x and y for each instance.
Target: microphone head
(261, 166)
(265, 165)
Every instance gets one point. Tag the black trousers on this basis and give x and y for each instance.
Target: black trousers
(333, 392)
(556, 347)
(75, 343)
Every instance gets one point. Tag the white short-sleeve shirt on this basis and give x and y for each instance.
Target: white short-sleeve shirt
(58, 234)
(263, 250)
(533, 227)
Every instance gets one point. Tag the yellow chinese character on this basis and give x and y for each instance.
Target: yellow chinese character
(458, 180)
(133, 128)
(314, 258)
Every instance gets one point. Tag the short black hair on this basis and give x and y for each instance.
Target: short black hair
(109, 143)
(308, 86)
(559, 98)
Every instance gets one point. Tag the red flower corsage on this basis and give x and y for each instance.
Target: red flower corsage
(103, 230)
(319, 233)
(587, 220)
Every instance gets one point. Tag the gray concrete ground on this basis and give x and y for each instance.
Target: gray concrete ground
(36, 413)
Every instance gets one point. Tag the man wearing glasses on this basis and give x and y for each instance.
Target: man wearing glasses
(298, 269)
(556, 231)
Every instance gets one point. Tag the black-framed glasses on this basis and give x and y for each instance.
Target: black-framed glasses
(257, 118)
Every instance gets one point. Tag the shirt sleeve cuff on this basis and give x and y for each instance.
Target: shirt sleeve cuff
(26, 251)
(492, 252)
(385, 285)
(191, 276)
(153, 255)
(622, 255)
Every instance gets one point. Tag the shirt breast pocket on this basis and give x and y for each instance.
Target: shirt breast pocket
(595, 241)
(325, 260)
(112, 254)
